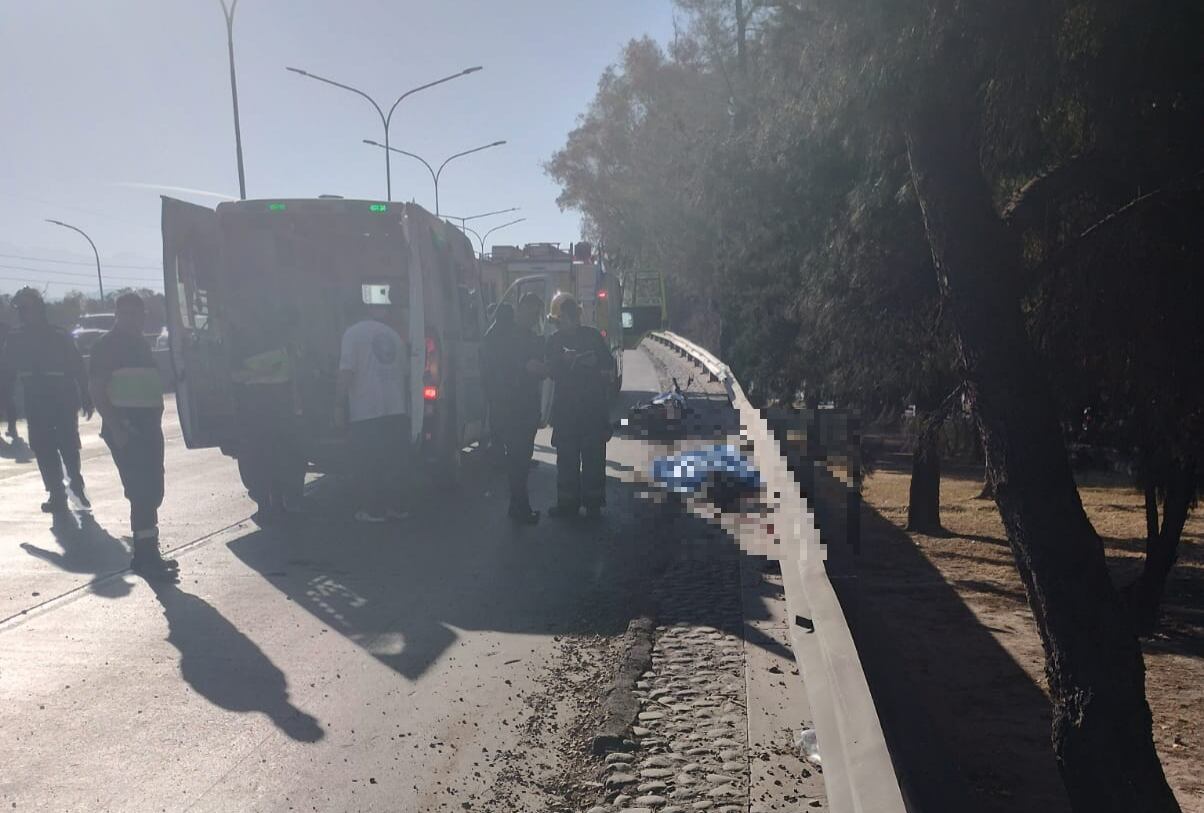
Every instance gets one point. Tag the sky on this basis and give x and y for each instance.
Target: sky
(107, 102)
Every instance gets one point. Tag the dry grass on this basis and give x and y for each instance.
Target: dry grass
(960, 595)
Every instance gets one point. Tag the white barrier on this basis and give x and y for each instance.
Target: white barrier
(859, 774)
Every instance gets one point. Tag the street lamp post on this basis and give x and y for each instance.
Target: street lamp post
(434, 173)
(481, 239)
(464, 220)
(99, 280)
(229, 12)
(386, 119)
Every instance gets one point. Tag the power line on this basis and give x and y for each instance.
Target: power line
(62, 283)
(77, 262)
(78, 275)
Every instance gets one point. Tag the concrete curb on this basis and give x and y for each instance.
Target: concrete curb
(620, 705)
(859, 774)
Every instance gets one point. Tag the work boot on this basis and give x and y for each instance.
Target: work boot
(149, 563)
(56, 504)
(593, 512)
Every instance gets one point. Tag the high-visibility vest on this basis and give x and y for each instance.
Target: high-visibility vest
(272, 367)
(136, 388)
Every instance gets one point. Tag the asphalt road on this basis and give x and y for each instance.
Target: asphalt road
(324, 666)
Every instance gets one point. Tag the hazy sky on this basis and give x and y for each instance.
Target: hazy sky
(102, 96)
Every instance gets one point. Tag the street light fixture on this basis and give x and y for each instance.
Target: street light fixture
(481, 239)
(386, 119)
(99, 280)
(229, 12)
(434, 173)
(464, 220)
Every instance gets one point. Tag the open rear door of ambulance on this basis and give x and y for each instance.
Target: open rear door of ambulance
(199, 352)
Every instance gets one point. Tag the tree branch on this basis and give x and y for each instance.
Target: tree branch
(1181, 185)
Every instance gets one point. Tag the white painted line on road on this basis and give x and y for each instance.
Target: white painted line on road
(17, 619)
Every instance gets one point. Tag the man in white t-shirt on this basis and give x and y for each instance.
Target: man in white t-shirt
(372, 400)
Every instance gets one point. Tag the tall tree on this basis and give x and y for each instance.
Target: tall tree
(1101, 723)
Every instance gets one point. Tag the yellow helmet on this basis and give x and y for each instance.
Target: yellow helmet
(557, 303)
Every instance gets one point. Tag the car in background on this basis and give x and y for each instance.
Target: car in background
(89, 328)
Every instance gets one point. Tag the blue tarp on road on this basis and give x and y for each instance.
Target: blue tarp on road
(691, 472)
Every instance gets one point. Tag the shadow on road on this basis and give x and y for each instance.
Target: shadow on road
(226, 667)
(403, 591)
(929, 662)
(88, 549)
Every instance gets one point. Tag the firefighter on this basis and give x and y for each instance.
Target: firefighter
(128, 394)
(582, 368)
(519, 369)
(497, 338)
(8, 404)
(269, 456)
(51, 372)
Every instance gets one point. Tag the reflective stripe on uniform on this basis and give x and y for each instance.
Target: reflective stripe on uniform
(136, 388)
(271, 367)
(39, 373)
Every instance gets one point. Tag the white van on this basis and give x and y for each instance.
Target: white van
(288, 269)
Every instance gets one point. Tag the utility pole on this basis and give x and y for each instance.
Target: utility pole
(229, 12)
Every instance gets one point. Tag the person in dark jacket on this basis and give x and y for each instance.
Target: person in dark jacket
(582, 368)
(271, 462)
(496, 337)
(128, 394)
(51, 372)
(519, 368)
(8, 406)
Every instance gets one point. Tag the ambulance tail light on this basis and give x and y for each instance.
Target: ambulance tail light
(431, 374)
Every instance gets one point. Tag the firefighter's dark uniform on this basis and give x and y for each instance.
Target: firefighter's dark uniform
(136, 392)
(582, 367)
(8, 406)
(515, 412)
(51, 372)
(269, 456)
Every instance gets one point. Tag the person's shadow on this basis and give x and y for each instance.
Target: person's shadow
(88, 549)
(226, 667)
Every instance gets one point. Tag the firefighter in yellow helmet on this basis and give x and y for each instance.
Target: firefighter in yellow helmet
(556, 305)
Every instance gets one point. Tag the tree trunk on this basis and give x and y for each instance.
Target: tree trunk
(924, 496)
(1093, 665)
(988, 485)
(1162, 547)
(1151, 512)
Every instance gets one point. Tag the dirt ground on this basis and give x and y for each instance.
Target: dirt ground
(953, 615)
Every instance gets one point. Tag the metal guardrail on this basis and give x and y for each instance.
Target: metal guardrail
(859, 774)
